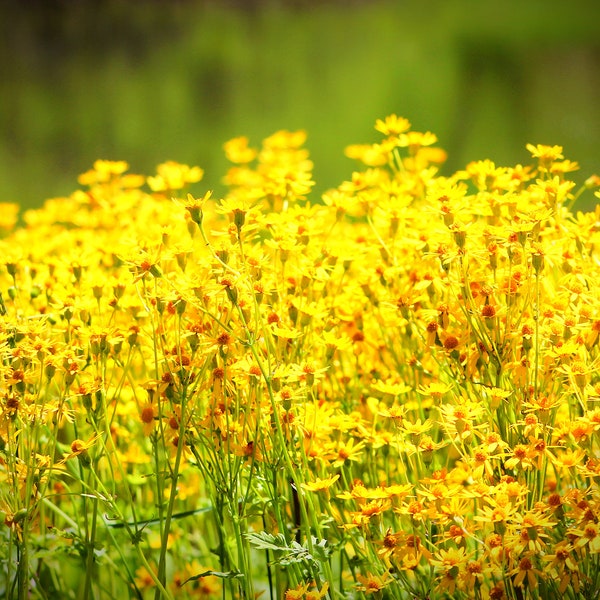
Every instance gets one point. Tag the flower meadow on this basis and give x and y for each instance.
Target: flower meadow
(389, 391)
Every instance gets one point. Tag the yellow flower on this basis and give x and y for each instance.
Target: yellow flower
(237, 150)
(391, 388)
(343, 202)
(236, 208)
(415, 430)
(564, 565)
(588, 535)
(173, 176)
(285, 139)
(414, 140)
(372, 584)
(318, 594)
(79, 450)
(546, 155)
(392, 125)
(148, 417)
(8, 215)
(521, 458)
(450, 564)
(297, 593)
(562, 167)
(372, 155)
(567, 459)
(460, 420)
(198, 580)
(195, 206)
(103, 171)
(144, 580)
(526, 574)
(532, 535)
(301, 592)
(340, 452)
(319, 485)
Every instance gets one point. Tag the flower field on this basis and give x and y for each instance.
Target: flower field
(390, 391)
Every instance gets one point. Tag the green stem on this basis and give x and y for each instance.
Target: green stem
(172, 495)
(89, 564)
(159, 584)
(23, 567)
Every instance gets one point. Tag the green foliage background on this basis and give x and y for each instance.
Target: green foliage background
(153, 81)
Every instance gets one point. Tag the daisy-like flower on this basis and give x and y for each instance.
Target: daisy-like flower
(546, 155)
(238, 151)
(195, 206)
(8, 216)
(341, 452)
(521, 459)
(371, 583)
(532, 534)
(415, 140)
(564, 565)
(320, 485)
(525, 573)
(449, 564)
(372, 155)
(587, 536)
(173, 176)
(392, 125)
(80, 450)
(103, 171)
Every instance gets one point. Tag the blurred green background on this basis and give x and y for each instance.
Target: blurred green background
(149, 81)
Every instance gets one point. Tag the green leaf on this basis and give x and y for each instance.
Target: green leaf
(267, 541)
(290, 553)
(227, 575)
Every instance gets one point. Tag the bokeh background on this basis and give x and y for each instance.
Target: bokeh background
(149, 81)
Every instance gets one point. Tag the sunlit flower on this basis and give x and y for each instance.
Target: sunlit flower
(397, 380)
(103, 171)
(340, 452)
(8, 216)
(392, 125)
(238, 151)
(319, 485)
(80, 450)
(173, 176)
(450, 564)
(546, 155)
(372, 584)
(526, 574)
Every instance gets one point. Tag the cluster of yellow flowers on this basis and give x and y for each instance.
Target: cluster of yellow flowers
(391, 390)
